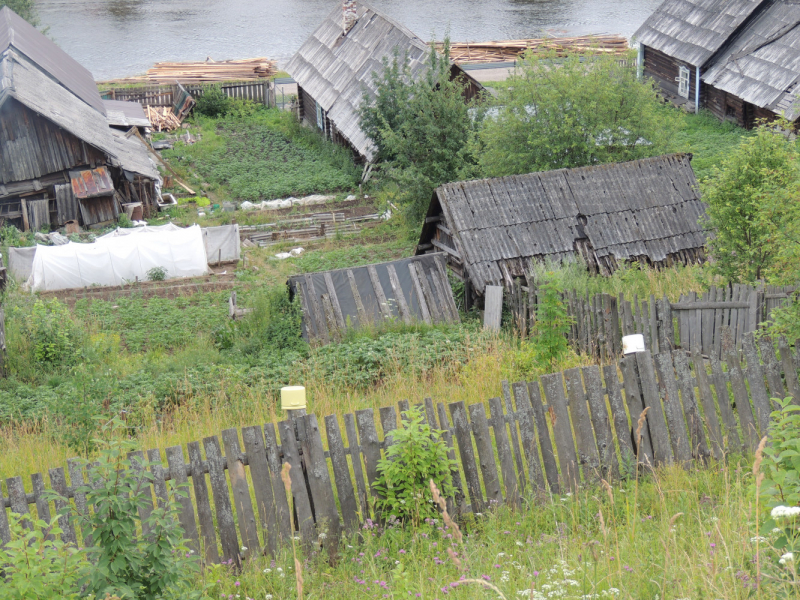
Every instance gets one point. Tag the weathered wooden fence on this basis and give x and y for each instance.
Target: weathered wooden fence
(165, 95)
(565, 430)
(696, 321)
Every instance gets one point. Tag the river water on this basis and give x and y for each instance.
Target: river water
(116, 38)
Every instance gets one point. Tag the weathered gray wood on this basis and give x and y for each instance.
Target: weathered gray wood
(302, 502)
(588, 456)
(58, 482)
(341, 474)
(370, 444)
(316, 309)
(19, 502)
(334, 330)
(718, 323)
(673, 409)
(402, 305)
(707, 326)
(355, 459)
(42, 505)
(633, 396)
(600, 422)
(388, 423)
(145, 507)
(319, 481)
(222, 501)
(433, 304)
(789, 369)
(430, 413)
(448, 295)
(755, 379)
(253, 440)
(5, 528)
(509, 407)
(159, 477)
(363, 319)
(282, 508)
(337, 309)
(240, 489)
(772, 368)
(752, 313)
(627, 455)
(716, 439)
(662, 452)
(616, 332)
(562, 430)
(459, 502)
(493, 307)
(545, 442)
(423, 305)
(483, 442)
(653, 326)
(510, 481)
(527, 431)
(461, 425)
(742, 400)
(379, 293)
(75, 469)
(203, 501)
(724, 405)
(694, 420)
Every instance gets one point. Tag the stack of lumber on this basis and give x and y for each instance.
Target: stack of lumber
(208, 71)
(162, 118)
(509, 50)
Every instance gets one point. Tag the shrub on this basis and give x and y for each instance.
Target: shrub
(35, 567)
(53, 333)
(417, 455)
(214, 102)
(157, 274)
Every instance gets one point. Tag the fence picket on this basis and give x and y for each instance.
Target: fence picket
(355, 460)
(253, 439)
(58, 482)
(545, 442)
(5, 529)
(203, 501)
(341, 474)
(145, 508)
(662, 451)
(241, 493)
(771, 368)
(459, 503)
(742, 400)
(159, 480)
(509, 407)
(755, 379)
(510, 481)
(562, 430)
(620, 417)
(633, 396)
(789, 370)
(483, 442)
(19, 502)
(602, 427)
(74, 467)
(319, 481)
(302, 503)
(724, 404)
(673, 409)
(527, 432)
(42, 505)
(282, 509)
(588, 457)
(697, 436)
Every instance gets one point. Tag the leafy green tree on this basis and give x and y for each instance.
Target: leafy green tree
(753, 208)
(422, 128)
(24, 8)
(572, 112)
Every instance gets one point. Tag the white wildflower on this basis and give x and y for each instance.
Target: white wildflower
(500, 554)
(757, 539)
(787, 558)
(268, 597)
(244, 548)
(785, 512)
(323, 535)
(267, 571)
(777, 530)
(520, 544)
(504, 576)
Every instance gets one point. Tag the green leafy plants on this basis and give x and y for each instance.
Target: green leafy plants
(37, 565)
(157, 274)
(213, 102)
(54, 336)
(416, 456)
(124, 221)
(548, 342)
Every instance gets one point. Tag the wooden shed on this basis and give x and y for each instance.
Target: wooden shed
(493, 230)
(738, 58)
(336, 64)
(59, 159)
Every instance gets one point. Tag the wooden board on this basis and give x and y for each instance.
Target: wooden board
(253, 439)
(527, 430)
(222, 502)
(461, 425)
(483, 442)
(341, 474)
(203, 501)
(245, 516)
(565, 444)
(493, 307)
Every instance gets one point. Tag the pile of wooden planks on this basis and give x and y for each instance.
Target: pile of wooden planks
(207, 71)
(162, 118)
(509, 50)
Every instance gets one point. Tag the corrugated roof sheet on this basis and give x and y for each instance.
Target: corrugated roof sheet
(126, 114)
(91, 183)
(647, 207)
(335, 68)
(693, 30)
(22, 36)
(762, 65)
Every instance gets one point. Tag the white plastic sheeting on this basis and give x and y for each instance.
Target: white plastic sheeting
(119, 257)
(222, 243)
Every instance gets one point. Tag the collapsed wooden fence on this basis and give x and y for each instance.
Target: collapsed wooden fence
(599, 321)
(167, 95)
(565, 430)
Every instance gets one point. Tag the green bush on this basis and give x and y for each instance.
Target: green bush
(213, 103)
(417, 455)
(55, 337)
(547, 343)
(35, 567)
(157, 274)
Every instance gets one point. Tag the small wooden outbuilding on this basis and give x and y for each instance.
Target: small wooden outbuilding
(59, 159)
(738, 58)
(336, 64)
(493, 230)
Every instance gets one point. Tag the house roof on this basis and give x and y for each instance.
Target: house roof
(644, 208)
(693, 30)
(762, 64)
(335, 68)
(17, 33)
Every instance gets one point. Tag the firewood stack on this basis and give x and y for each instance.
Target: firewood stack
(510, 50)
(162, 118)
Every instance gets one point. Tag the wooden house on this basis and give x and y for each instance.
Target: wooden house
(59, 159)
(494, 230)
(336, 64)
(738, 58)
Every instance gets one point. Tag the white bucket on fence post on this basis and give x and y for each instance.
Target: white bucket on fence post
(633, 343)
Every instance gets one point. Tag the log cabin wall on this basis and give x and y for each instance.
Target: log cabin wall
(664, 70)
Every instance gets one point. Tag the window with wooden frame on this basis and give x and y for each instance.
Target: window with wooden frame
(683, 82)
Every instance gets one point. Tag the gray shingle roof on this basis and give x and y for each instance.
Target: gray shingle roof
(643, 208)
(334, 68)
(762, 65)
(693, 30)
(24, 38)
